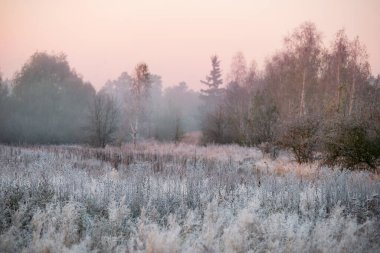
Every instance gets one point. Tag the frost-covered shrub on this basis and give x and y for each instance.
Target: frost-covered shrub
(72, 199)
(350, 144)
(300, 136)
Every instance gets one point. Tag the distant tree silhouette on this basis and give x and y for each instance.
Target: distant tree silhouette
(49, 101)
(3, 109)
(102, 120)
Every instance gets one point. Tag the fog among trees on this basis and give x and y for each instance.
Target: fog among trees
(284, 157)
(306, 91)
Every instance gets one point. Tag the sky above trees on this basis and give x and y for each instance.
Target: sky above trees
(176, 38)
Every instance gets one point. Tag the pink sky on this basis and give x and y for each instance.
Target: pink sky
(103, 38)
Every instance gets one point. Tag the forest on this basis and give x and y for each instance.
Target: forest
(310, 98)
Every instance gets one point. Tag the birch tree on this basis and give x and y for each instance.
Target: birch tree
(337, 69)
(140, 87)
(360, 69)
(304, 48)
(239, 71)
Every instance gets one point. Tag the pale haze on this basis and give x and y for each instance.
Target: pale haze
(175, 38)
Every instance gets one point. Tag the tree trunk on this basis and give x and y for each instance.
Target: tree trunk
(135, 132)
(302, 103)
(134, 129)
(352, 97)
(339, 90)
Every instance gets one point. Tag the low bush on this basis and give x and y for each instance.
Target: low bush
(300, 137)
(351, 144)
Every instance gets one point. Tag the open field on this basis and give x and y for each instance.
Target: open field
(185, 198)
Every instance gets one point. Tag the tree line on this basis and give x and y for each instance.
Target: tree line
(47, 102)
(309, 98)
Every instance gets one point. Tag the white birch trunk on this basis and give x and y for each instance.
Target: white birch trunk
(302, 103)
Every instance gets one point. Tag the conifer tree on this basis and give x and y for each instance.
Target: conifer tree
(213, 82)
(212, 120)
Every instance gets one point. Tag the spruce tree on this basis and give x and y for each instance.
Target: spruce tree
(212, 111)
(213, 82)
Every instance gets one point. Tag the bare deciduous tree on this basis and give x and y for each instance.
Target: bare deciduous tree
(304, 48)
(359, 69)
(103, 119)
(238, 72)
(339, 57)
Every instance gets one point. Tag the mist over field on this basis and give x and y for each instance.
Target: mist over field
(274, 153)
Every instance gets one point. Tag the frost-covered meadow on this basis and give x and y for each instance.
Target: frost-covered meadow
(181, 198)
